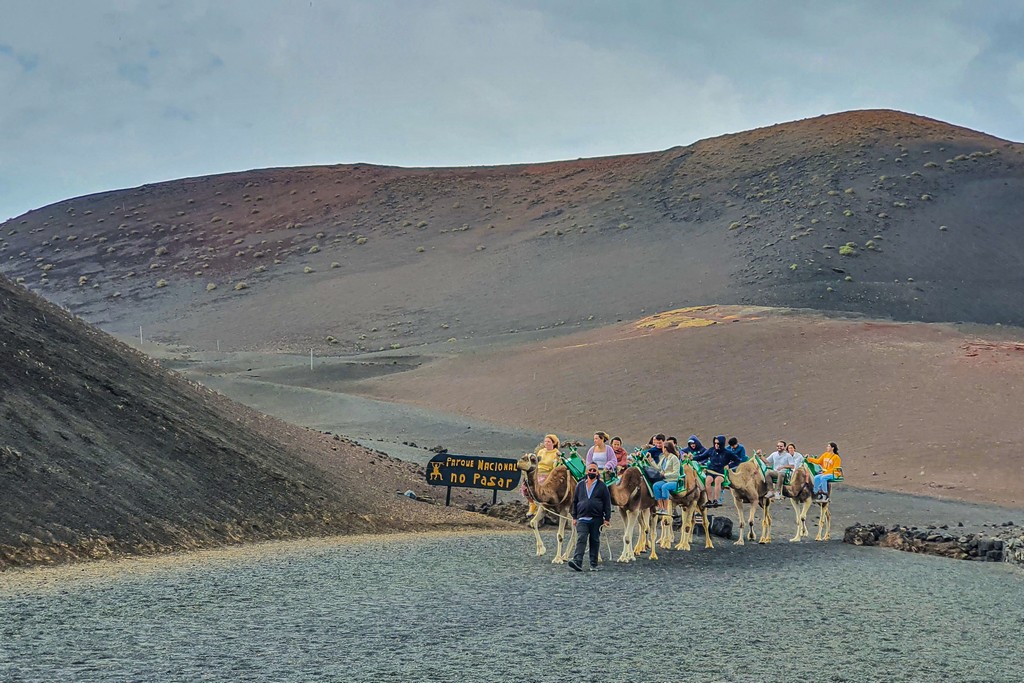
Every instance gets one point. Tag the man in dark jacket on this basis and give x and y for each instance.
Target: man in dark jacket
(716, 459)
(591, 509)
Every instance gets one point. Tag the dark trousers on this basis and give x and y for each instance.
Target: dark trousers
(588, 531)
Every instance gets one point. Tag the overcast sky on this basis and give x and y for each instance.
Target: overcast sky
(105, 94)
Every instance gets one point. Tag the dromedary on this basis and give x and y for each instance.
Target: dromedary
(635, 502)
(691, 497)
(554, 495)
(748, 487)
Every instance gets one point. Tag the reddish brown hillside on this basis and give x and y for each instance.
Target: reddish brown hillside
(877, 212)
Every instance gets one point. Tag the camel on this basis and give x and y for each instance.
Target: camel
(635, 502)
(691, 497)
(748, 487)
(554, 495)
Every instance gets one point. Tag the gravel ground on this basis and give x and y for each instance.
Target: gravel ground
(482, 608)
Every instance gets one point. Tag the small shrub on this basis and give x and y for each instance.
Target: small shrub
(361, 240)
(793, 266)
(307, 270)
(847, 250)
(420, 250)
(926, 197)
(314, 249)
(331, 340)
(848, 278)
(82, 280)
(335, 264)
(160, 251)
(212, 286)
(943, 228)
(623, 226)
(161, 283)
(239, 286)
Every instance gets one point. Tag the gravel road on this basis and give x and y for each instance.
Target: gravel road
(482, 608)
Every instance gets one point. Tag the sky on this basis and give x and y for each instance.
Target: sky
(104, 94)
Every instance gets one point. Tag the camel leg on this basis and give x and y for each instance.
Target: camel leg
(668, 534)
(687, 530)
(707, 532)
(766, 523)
(629, 523)
(740, 517)
(644, 522)
(824, 523)
(559, 559)
(655, 522)
(535, 524)
(800, 510)
(570, 547)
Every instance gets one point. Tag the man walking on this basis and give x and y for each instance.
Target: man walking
(591, 509)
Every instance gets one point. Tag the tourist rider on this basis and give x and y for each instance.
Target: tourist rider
(778, 463)
(736, 447)
(655, 448)
(591, 509)
(693, 449)
(602, 454)
(828, 462)
(716, 460)
(621, 456)
(547, 460)
(669, 467)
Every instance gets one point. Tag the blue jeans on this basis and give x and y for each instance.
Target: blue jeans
(663, 489)
(821, 482)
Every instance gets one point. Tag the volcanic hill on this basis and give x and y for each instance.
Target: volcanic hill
(881, 213)
(104, 453)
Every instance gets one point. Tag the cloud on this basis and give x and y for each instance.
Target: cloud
(141, 91)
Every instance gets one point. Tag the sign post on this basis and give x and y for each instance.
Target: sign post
(473, 471)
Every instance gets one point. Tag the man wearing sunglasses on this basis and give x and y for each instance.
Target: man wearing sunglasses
(592, 509)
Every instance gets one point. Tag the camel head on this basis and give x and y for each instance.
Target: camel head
(527, 462)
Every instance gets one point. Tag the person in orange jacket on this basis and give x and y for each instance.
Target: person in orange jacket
(828, 462)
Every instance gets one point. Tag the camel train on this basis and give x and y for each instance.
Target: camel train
(645, 530)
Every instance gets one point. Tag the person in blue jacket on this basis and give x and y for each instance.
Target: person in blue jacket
(716, 459)
(736, 447)
(693, 448)
(591, 510)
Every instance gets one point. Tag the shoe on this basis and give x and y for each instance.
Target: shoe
(575, 566)
(661, 513)
(595, 568)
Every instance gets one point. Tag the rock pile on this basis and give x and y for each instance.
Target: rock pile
(1004, 544)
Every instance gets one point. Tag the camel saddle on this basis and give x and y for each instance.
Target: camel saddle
(574, 464)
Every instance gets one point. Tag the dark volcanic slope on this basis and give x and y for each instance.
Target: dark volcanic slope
(102, 452)
(879, 212)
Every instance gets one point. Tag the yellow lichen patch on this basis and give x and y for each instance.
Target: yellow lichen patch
(676, 319)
